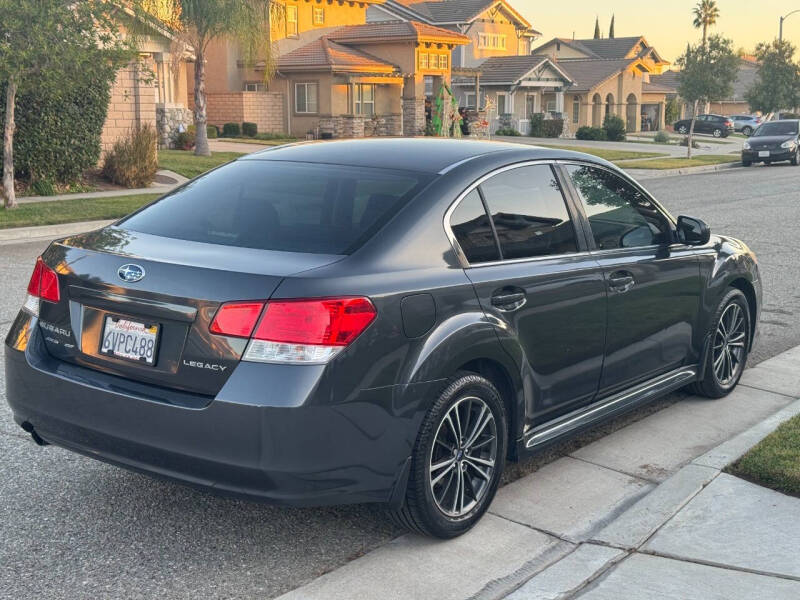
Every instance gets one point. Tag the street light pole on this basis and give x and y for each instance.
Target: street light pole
(783, 18)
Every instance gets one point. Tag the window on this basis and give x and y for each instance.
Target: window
(551, 106)
(492, 41)
(364, 101)
(254, 87)
(291, 21)
(318, 15)
(305, 98)
(502, 104)
(576, 109)
(473, 230)
(443, 60)
(469, 100)
(284, 206)
(434, 61)
(529, 213)
(423, 60)
(620, 215)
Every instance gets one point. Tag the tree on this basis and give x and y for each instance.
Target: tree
(42, 44)
(597, 28)
(707, 73)
(777, 85)
(706, 14)
(611, 29)
(247, 22)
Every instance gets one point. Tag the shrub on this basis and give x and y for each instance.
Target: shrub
(662, 137)
(614, 127)
(685, 142)
(537, 125)
(43, 187)
(673, 111)
(133, 160)
(231, 130)
(591, 133)
(553, 128)
(212, 131)
(509, 131)
(249, 129)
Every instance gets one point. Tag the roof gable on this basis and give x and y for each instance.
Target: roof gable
(383, 31)
(456, 11)
(511, 70)
(589, 73)
(325, 54)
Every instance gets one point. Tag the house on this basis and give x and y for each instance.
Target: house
(736, 104)
(151, 90)
(337, 75)
(494, 27)
(609, 78)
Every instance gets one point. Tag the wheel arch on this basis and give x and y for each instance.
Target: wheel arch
(749, 291)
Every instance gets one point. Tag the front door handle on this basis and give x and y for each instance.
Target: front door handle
(621, 281)
(508, 299)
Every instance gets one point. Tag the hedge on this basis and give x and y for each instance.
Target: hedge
(231, 130)
(591, 133)
(249, 129)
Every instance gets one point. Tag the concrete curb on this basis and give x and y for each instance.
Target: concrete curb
(653, 173)
(48, 232)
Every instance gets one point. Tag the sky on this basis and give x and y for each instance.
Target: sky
(667, 24)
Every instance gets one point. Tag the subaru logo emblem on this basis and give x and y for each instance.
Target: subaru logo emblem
(130, 273)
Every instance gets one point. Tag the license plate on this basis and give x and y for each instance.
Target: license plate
(763, 153)
(131, 340)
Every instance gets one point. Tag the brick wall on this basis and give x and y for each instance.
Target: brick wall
(265, 109)
(133, 103)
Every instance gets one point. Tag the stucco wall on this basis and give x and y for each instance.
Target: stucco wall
(266, 109)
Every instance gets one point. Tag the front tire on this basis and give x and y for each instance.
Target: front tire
(747, 163)
(683, 130)
(457, 461)
(796, 158)
(748, 131)
(730, 334)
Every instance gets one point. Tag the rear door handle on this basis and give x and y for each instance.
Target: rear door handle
(621, 281)
(508, 300)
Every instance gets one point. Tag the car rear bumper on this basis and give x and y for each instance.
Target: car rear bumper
(774, 156)
(280, 444)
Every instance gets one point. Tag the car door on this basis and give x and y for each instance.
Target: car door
(653, 284)
(537, 281)
(701, 124)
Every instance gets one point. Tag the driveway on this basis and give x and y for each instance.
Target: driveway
(76, 528)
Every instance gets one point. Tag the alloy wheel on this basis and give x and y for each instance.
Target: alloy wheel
(463, 457)
(730, 342)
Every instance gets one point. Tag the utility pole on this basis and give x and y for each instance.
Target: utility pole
(783, 18)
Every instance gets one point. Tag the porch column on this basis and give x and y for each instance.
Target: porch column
(477, 90)
(560, 102)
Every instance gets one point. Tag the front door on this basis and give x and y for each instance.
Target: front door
(537, 282)
(654, 286)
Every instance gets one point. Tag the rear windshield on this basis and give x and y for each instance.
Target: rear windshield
(778, 128)
(272, 205)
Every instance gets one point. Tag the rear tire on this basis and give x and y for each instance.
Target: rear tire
(718, 133)
(454, 478)
(730, 333)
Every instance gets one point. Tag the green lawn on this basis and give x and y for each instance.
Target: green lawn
(775, 462)
(680, 162)
(72, 210)
(187, 164)
(607, 153)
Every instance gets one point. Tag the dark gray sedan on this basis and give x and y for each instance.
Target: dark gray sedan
(375, 321)
(775, 141)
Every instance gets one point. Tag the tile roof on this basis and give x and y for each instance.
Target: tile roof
(326, 54)
(508, 70)
(452, 11)
(587, 73)
(396, 30)
(610, 47)
(667, 82)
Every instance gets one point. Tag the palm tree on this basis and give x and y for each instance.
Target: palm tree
(202, 21)
(706, 14)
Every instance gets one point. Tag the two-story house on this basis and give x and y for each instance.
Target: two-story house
(610, 76)
(337, 75)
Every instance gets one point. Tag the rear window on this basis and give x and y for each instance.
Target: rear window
(777, 128)
(290, 207)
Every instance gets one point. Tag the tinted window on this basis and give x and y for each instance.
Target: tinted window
(472, 229)
(620, 215)
(777, 128)
(529, 213)
(326, 209)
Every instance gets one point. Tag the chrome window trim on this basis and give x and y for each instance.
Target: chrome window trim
(462, 258)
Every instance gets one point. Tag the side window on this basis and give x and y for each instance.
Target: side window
(473, 230)
(620, 215)
(529, 213)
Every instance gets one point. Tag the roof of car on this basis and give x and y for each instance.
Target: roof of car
(427, 155)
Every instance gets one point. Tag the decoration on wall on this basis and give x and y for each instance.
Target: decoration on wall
(446, 118)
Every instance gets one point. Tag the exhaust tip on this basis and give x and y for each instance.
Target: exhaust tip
(27, 426)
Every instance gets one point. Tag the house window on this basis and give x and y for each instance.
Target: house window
(502, 104)
(291, 21)
(443, 60)
(551, 106)
(364, 102)
(423, 60)
(492, 41)
(319, 15)
(254, 87)
(434, 61)
(469, 99)
(305, 98)
(576, 109)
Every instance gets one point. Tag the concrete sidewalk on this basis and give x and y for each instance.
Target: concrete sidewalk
(642, 513)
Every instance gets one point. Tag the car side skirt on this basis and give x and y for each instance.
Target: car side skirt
(612, 406)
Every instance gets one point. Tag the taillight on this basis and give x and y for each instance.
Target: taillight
(237, 319)
(43, 285)
(297, 331)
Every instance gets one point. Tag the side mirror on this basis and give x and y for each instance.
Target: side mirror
(693, 232)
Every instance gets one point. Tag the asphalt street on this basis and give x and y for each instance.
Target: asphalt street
(76, 528)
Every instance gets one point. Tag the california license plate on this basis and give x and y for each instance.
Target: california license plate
(131, 340)
(763, 153)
